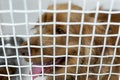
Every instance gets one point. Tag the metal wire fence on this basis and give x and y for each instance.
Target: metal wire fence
(105, 58)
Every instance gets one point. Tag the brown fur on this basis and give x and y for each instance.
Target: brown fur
(4, 71)
(73, 40)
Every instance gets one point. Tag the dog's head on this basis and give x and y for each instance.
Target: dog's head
(9, 41)
(65, 35)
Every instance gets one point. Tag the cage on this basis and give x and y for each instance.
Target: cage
(70, 40)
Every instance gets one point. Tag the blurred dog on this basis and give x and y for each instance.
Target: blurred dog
(9, 52)
(93, 54)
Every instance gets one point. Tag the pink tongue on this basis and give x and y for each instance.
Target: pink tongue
(36, 70)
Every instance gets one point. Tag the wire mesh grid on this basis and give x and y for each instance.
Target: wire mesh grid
(66, 53)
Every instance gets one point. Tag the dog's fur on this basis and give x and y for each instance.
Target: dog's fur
(10, 61)
(4, 71)
(74, 40)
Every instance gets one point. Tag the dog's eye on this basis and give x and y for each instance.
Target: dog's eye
(59, 31)
(23, 52)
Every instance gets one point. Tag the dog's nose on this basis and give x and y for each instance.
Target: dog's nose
(23, 52)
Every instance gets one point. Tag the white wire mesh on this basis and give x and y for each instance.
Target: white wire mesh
(11, 11)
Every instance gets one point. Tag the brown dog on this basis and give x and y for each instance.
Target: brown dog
(85, 46)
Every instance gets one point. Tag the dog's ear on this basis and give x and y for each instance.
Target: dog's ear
(47, 17)
(101, 17)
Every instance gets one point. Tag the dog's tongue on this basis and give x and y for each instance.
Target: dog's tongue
(36, 70)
